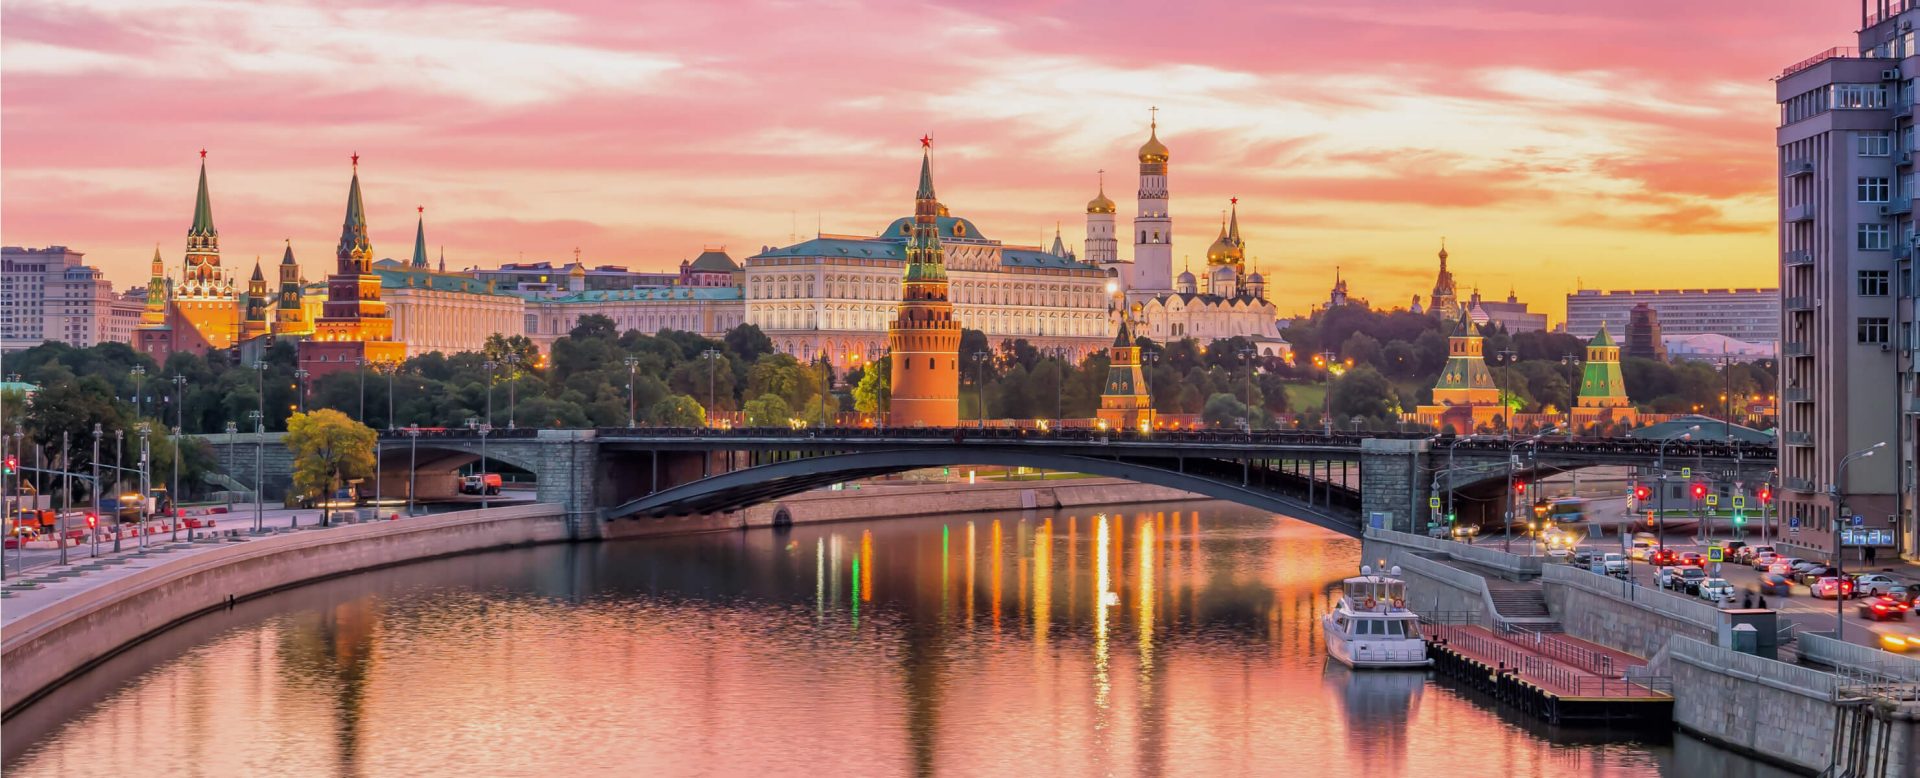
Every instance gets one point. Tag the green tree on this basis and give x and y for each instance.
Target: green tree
(524, 354)
(818, 406)
(747, 342)
(704, 378)
(876, 384)
(782, 375)
(328, 450)
(770, 410)
(1362, 391)
(677, 411)
(1224, 410)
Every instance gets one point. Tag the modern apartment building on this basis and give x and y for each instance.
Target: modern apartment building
(1846, 152)
(1752, 315)
(49, 294)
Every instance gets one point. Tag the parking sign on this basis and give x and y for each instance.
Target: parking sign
(1793, 525)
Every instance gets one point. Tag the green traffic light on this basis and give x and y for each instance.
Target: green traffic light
(1451, 518)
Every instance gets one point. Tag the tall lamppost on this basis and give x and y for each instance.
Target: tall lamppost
(1660, 532)
(413, 463)
(492, 369)
(259, 459)
(1451, 475)
(1246, 356)
(19, 437)
(232, 428)
(139, 397)
(179, 425)
(712, 356)
(66, 494)
(1839, 555)
(391, 369)
(1507, 357)
(1327, 359)
(260, 386)
(360, 371)
(94, 531)
(1152, 358)
(300, 375)
(119, 443)
(980, 384)
(1573, 363)
(485, 428)
(146, 477)
(632, 363)
(1513, 459)
(513, 383)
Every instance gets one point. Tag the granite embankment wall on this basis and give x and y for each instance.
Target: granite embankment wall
(43, 648)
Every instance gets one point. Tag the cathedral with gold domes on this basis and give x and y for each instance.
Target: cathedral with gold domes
(1226, 300)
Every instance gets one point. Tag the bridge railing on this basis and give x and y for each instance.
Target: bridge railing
(459, 433)
(962, 434)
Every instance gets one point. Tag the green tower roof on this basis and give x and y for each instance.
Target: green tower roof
(353, 229)
(203, 207)
(420, 241)
(1602, 339)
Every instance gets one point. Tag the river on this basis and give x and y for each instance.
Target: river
(1177, 639)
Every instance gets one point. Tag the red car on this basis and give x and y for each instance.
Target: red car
(1665, 557)
(1883, 607)
(1693, 559)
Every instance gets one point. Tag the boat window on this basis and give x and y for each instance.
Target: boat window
(1397, 629)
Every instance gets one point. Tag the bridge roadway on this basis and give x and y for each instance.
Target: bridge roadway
(1329, 479)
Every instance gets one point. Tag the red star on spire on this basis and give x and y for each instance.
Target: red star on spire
(1234, 200)
(203, 153)
(926, 141)
(356, 159)
(421, 208)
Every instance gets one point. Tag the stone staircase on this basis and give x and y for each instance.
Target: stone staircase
(1522, 605)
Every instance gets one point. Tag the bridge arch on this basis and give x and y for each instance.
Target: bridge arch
(758, 484)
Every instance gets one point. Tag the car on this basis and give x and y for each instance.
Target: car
(1898, 643)
(1784, 565)
(1902, 592)
(1775, 584)
(1665, 557)
(481, 484)
(1799, 565)
(1560, 554)
(1583, 557)
(1715, 590)
(1883, 608)
(1763, 560)
(1811, 575)
(1873, 584)
(1689, 580)
(1693, 559)
(1614, 564)
(1832, 588)
(1754, 551)
(1736, 549)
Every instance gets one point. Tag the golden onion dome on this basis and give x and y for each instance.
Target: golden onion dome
(1100, 203)
(578, 271)
(1153, 150)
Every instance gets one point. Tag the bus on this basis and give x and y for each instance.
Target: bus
(1567, 509)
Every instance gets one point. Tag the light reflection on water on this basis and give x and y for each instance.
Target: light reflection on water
(1174, 639)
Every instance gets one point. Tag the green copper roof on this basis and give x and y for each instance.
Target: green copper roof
(926, 176)
(203, 208)
(1603, 380)
(714, 261)
(1123, 337)
(642, 294)
(353, 229)
(1602, 338)
(420, 243)
(949, 227)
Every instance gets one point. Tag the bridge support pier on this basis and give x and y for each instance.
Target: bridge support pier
(1394, 475)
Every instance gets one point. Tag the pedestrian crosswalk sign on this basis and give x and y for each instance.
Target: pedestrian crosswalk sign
(1433, 502)
(1686, 472)
(1712, 500)
(1739, 501)
(1715, 555)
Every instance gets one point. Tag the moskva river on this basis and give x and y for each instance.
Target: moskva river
(1175, 639)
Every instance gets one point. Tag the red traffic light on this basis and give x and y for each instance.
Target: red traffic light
(93, 520)
(1519, 487)
(1642, 492)
(1765, 495)
(1699, 491)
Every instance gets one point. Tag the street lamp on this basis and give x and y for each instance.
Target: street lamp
(1660, 534)
(413, 463)
(712, 356)
(94, 531)
(513, 384)
(492, 369)
(232, 427)
(980, 381)
(1839, 555)
(1513, 459)
(139, 381)
(1327, 359)
(1450, 471)
(632, 363)
(118, 460)
(1573, 363)
(1507, 357)
(300, 375)
(146, 477)
(259, 419)
(179, 425)
(484, 428)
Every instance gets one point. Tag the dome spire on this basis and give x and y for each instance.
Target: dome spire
(353, 228)
(1233, 232)
(1100, 203)
(1153, 150)
(420, 239)
(203, 207)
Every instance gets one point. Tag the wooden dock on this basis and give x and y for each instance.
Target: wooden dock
(1552, 677)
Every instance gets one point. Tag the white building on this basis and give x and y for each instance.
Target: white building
(1752, 315)
(48, 294)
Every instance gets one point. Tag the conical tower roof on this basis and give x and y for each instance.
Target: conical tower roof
(202, 207)
(420, 241)
(353, 229)
(926, 176)
(1601, 338)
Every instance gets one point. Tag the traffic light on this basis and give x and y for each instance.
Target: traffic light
(1739, 518)
(1642, 492)
(1699, 491)
(1519, 487)
(1765, 495)
(1649, 519)
(1451, 518)
(12, 464)
(93, 520)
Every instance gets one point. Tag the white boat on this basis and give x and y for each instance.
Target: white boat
(1371, 627)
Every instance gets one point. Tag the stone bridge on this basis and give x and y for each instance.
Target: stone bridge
(1340, 481)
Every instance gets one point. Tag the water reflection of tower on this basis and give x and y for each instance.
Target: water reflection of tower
(332, 652)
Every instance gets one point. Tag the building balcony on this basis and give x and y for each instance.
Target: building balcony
(1800, 213)
(1798, 303)
(1905, 159)
(1795, 349)
(1800, 485)
(1903, 252)
(1797, 258)
(1797, 167)
(1797, 396)
(1837, 52)
(1796, 438)
(1899, 205)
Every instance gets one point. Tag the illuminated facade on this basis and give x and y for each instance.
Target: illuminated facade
(1233, 302)
(1124, 400)
(201, 312)
(1465, 398)
(924, 339)
(354, 327)
(1603, 389)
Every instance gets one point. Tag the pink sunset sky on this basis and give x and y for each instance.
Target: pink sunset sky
(1621, 143)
